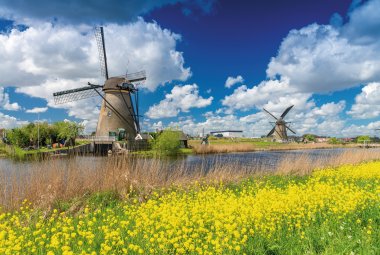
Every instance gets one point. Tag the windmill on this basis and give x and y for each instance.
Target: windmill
(279, 129)
(119, 109)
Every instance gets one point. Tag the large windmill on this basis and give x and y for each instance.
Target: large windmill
(119, 109)
(280, 127)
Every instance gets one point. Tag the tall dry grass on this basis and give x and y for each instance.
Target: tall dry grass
(55, 180)
(223, 148)
(304, 164)
(246, 147)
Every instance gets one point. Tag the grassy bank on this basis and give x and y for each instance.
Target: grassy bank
(19, 153)
(331, 211)
(246, 145)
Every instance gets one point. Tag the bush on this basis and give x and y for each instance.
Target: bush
(167, 143)
(44, 133)
(363, 138)
(334, 140)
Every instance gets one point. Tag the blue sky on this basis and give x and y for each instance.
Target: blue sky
(210, 64)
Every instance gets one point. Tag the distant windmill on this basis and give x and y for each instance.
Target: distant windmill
(118, 110)
(279, 129)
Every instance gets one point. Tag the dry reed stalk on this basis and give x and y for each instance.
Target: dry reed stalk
(223, 148)
(54, 180)
(304, 164)
(246, 147)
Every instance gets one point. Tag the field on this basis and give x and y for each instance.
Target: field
(335, 210)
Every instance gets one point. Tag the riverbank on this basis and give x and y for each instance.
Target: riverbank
(330, 211)
(22, 154)
(247, 145)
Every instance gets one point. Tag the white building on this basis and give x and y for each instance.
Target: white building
(227, 133)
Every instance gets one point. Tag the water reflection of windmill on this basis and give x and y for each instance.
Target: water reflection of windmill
(280, 126)
(119, 109)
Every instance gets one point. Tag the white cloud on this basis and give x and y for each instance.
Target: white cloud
(7, 121)
(273, 94)
(37, 110)
(329, 109)
(367, 103)
(68, 52)
(5, 103)
(323, 58)
(323, 120)
(356, 130)
(181, 98)
(233, 80)
(67, 58)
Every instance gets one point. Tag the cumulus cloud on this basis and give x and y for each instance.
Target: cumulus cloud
(70, 53)
(233, 80)
(355, 130)
(323, 58)
(322, 120)
(273, 94)
(5, 103)
(367, 103)
(55, 58)
(37, 110)
(180, 99)
(74, 11)
(7, 121)
(319, 59)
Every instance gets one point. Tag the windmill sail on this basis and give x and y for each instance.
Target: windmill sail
(119, 109)
(99, 35)
(280, 126)
(76, 94)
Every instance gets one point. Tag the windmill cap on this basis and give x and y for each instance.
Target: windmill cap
(113, 82)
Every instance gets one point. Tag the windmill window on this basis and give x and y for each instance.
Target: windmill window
(109, 113)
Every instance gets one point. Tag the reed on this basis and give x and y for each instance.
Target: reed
(46, 182)
(304, 164)
(223, 148)
(246, 147)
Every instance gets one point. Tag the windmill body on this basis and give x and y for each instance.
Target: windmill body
(116, 102)
(119, 108)
(279, 131)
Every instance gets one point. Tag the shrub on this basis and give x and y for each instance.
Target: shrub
(167, 143)
(334, 140)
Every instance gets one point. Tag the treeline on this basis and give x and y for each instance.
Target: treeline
(63, 132)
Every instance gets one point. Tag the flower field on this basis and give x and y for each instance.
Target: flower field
(332, 211)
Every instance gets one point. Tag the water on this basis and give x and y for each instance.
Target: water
(56, 176)
(258, 159)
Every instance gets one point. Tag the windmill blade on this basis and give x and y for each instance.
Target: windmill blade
(99, 36)
(286, 111)
(290, 129)
(271, 132)
(76, 94)
(135, 77)
(270, 113)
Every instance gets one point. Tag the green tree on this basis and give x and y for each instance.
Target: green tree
(68, 131)
(333, 140)
(363, 138)
(310, 137)
(167, 143)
